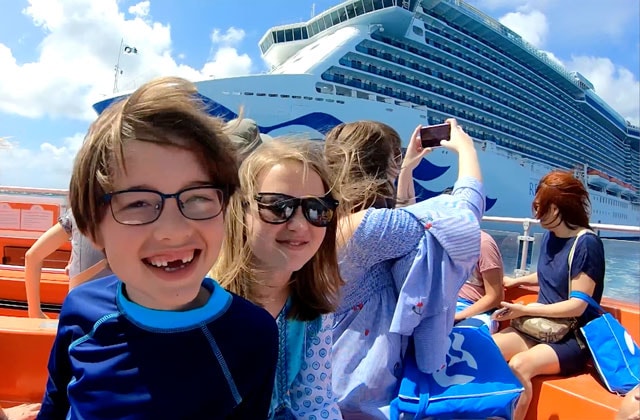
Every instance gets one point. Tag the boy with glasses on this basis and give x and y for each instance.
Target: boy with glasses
(158, 339)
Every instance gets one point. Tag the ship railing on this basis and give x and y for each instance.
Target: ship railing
(527, 239)
(33, 191)
(502, 30)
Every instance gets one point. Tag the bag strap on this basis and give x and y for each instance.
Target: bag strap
(585, 297)
(573, 250)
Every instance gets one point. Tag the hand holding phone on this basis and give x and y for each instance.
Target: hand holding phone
(500, 313)
(430, 136)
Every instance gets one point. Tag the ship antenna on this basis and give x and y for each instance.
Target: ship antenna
(118, 71)
(313, 10)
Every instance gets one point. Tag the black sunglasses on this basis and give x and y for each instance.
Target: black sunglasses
(275, 208)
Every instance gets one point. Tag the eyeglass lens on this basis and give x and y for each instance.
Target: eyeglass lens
(138, 207)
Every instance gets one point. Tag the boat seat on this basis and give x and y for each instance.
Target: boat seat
(14, 255)
(25, 344)
(579, 396)
(54, 286)
(576, 397)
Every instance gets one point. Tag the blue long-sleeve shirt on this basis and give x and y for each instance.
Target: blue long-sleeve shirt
(374, 313)
(114, 359)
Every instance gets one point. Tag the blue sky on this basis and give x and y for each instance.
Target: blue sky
(57, 57)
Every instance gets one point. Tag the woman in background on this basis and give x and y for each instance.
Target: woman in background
(379, 244)
(562, 205)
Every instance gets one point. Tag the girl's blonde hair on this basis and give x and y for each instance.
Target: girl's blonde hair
(361, 156)
(315, 287)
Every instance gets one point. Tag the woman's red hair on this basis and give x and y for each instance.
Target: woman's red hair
(568, 194)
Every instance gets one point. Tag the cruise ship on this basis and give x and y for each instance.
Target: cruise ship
(410, 62)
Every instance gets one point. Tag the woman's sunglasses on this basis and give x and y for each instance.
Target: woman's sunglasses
(277, 208)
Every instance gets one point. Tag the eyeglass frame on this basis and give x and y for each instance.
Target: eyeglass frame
(107, 199)
(327, 200)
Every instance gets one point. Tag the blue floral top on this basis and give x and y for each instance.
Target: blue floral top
(303, 375)
(367, 352)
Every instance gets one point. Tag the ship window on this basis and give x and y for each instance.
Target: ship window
(377, 4)
(288, 35)
(297, 34)
(368, 6)
(304, 33)
(350, 11)
(359, 7)
(418, 31)
(280, 36)
(342, 14)
(335, 18)
(389, 3)
(327, 21)
(321, 24)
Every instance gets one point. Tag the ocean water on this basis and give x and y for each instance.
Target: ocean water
(622, 275)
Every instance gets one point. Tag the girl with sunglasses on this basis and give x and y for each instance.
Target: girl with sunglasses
(379, 245)
(280, 253)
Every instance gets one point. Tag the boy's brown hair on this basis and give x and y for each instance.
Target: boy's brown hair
(166, 111)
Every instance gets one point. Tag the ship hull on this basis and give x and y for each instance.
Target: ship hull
(510, 178)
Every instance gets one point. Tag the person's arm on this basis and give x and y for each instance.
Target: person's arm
(20, 412)
(528, 280)
(460, 142)
(494, 294)
(468, 188)
(572, 307)
(405, 193)
(48, 243)
(376, 235)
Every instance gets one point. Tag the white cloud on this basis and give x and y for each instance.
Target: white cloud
(227, 62)
(531, 26)
(231, 37)
(75, 66)
(46, 167)
(616, 85)
(141, 9)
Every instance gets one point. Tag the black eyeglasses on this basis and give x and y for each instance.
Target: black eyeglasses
(277, 208)
(142, 206)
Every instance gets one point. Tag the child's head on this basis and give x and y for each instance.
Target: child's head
(283, 225)
(150, 186)
(364, 158)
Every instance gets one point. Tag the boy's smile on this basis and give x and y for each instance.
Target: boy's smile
(171, 261)
(162, 263)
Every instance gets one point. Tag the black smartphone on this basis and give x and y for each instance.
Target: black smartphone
(498, 313)
(431, 135)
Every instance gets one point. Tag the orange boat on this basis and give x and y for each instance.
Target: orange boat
(25, 343)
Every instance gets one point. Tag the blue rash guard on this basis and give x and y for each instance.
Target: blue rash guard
(114, 359)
